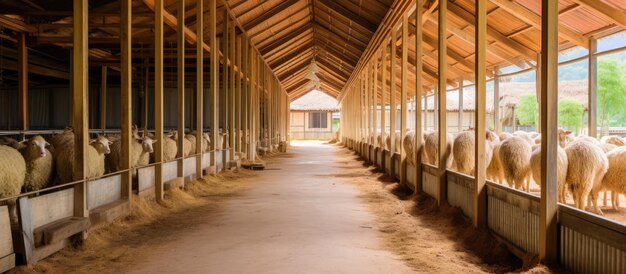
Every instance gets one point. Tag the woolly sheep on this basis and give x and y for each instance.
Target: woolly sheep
(613, 180)
(170, 149)
(607, 147)
(431, 151)
(515, 155)
(140, 149)
(494, 169)
(94, 156)
(398, 141)
(587, 165)
(409, 146)
(561, 170)
(463, 150)
(39, 163)
(614, 140)
(525, 136)
(588, 139)
(504, 135)
(10, 142)
(12, 174)
(61, 140)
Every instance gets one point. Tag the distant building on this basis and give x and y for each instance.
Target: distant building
(314, 116)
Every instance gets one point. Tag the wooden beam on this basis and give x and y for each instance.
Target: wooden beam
(158, 99)
(232, 91)
(592, 76)
(15, 25)
(22, 83)
(419, 50)
(392, 99)
(608, 12)
(340, 33)
(442, 84)
(496, 102)
(330, 35)
(103, 97)
(403, 92)
(479, 218)
(180, 89)
(225, 87)
(126, 92)
(294, 53)
(548, 233)
(284, 39)
(269, 14)
(349, 15)
(80, 96)
(213, 80)
(533, 19)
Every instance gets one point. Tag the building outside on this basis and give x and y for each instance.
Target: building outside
(314, 116)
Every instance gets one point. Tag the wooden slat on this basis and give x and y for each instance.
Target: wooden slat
(349, 15)
(284, 39)
(269, 14)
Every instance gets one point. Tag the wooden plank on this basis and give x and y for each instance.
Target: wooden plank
(200, 86)
(60, 230)
(592, 76)
(22, 83)
(269, 14)
(6, 241)
(283, 40)
(24, 239)
(158, 99)
(180, 87)
(7, 263)
(419, 50)
(548, 233)
(108, 213)
(442, 84)
(608, 12)
(479, 218)
(225, 88)
(245, 61)
(349, 15)
(80, 86)
(535, 20)
(15, 25)
(126, 98)
(51, 207)
(103, 191)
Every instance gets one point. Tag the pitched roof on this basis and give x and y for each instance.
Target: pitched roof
(315, 100)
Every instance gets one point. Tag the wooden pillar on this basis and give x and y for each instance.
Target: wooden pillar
(480, 48)
(126, 90)
(199, 87)
(383, 99)
(245, 95)
(392, 98)
(180, 86)
(377, 129)
(103, 98)
(593, 89)
(442, 66)
(496, 101)
(548, 244)
(461, 106)
(80, 95)
(425, 110)
(231, 98)
(158, 98)
(213, 81)
(225, 87)
(538, 80)
(22, 85)
(253, 105)
(403, 91)
(238, 96)
(419, 10)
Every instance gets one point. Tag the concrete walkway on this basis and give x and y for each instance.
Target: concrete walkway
(296, 219)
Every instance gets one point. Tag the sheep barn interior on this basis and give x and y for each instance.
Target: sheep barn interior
(109, 105)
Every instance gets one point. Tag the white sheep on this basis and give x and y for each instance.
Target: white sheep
(613, 180)
(504, 135)
(39, 163)
(587, 139)
(431, 148)
(561, 170)
(12, 174)
(8, 141)
(515, 155)
(613, 139)
(587, 165)
(525, 136)
(607, 147)
(140, 149)
(397, 141)
(463, 150)
(94, 156)
(494, 169)
(170, 148)
(409, 147)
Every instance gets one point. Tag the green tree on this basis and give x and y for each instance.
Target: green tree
(527, 110)
(611, 91)
(570, 114)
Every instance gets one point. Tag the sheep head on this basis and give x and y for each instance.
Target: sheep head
(146, 143)
(564, 137)
(101, 144)
(36, 146)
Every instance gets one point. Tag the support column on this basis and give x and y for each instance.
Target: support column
(213, 82)
(103, 98)
(238, 97)
(80, 95)
(393, 110)
(538, 80)
(180, 86)
(245, 95)
(383, 100)
(199, 87)
(592, 108)
(403, 91)
(158, 98)
(419, 10)
(480, 48)
(231, 98)
(461, 106)
(377, 129)
(442, 84)
(548, 245)
(22, 83)
(496, 101)
(126, 90)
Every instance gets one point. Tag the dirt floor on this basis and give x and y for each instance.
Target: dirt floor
(316, 209)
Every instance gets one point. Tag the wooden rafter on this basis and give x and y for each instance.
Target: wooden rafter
(269, 14)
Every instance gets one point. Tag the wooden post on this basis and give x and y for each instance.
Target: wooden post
(419, 10)
(538, 80)
(442, 84)
(80, 87)
(593, 89)
(199, 87)
(403, 92)
(22, 85)
(180, 75)
(103, 98)
(225, 87)
(461, 106)
(392, 115)
(246, 97)
(496, 101)
(126, 90)
(158, 99)
(238, 96)
(213, 80)
(253, 105)
(231, 98)
(425, 99)
(480, 48)
(383, 100)
(548, 245)
(377, 129)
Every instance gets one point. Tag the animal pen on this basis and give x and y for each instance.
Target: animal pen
(214, 79)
